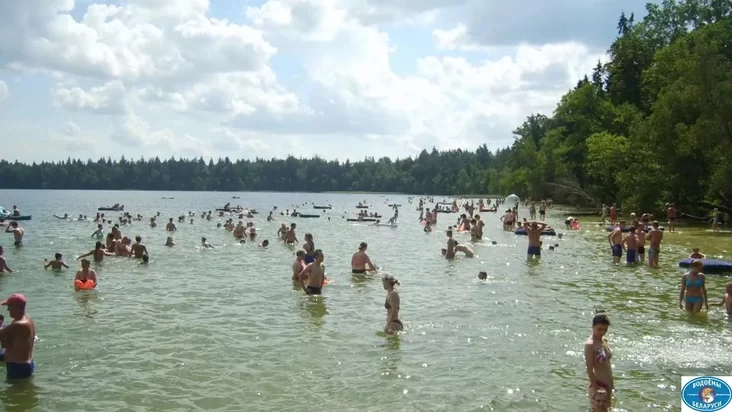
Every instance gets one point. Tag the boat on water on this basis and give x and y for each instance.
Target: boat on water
(5, 214)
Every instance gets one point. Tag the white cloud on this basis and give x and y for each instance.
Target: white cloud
(4, 93)
(216, 87)
(70, 129)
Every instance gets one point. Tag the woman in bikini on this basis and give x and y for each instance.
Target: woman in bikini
(693, 289)
(309, 247)
(393, 324)
(598, 356)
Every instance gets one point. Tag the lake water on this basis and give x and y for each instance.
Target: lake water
(224, 329)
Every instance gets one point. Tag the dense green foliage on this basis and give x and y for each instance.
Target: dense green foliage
(654, 124)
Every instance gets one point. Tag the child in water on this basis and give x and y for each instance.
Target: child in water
(695, 254)
(482, 275)
(56, 264)
(601, 401)
(726, 299)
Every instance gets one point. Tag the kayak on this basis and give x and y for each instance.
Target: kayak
(323, 207)
(546, 232)
(11, 217)
(365, 219)
(111, 209)
(306, 215)
(488, 210)
(362, 207)
(712, 266)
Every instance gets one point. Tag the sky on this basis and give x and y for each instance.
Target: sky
(340, 79)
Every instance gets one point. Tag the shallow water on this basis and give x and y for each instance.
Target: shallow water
(224, 329)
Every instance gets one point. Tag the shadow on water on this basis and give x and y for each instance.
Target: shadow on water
(361, 281)
(86, 299)
(19, 396)
(315, 307)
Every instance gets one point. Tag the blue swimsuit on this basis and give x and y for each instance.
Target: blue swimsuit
(694, 299)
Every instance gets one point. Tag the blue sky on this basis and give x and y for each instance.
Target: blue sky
(244, 79)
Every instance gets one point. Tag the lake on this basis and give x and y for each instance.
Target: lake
(225, 330)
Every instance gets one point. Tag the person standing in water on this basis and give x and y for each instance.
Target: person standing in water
(616, 242)
(298, 265)
(693, 289)
(56, 264)
(3, 262)
(360, 261)
(138, 249)
(170, 227)
(99, 233)
(17, 232)
(315, 275)
(309, 247)
(85, 275)
(655, 237)
(630, 244)
(98, 253)
(291, 236)
(672, 215)
(392, 304)
(640, 233)
(534, 230)
(598, 356)
(18, 339)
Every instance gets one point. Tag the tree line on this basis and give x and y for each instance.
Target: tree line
(652, 125)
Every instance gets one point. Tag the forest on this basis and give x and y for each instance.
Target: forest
(651, 125)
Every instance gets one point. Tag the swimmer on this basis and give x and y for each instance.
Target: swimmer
(55, 264)
(264, 244)
(85, 274)
(291, 236)
(600, 401)
(598, 356)
(17, 232)
(482, 275)
(98, 253)
(99, 233)
(640, 233)
(695, 254)
(655, 237)
(205, 244)
(392, 303)
(315, 274)
(360, 261)
(169, 242)
(138, 249)
(449, 252)
(726, 299)
(153, 223)
(533, 232)
(3, 262)
(615, 238)
(474, 231)
(170, 227)
(18, 339)
(693, 289)
(428, 227)
(282, 231)
(298, 265)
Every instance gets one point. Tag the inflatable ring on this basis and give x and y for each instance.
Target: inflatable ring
(85, 285)
(546, 232)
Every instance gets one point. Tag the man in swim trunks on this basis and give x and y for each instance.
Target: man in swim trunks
(534, 230)
(17, 232)
(480, 223)
(360, 262)
(291, 237)
(616, 241)
(655, 237)
(138, 249)
(640, 233)
(4, 263)
(630, 244)
(239, 230)
(315, 274)
(18, 338)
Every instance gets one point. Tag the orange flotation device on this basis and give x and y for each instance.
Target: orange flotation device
(83, 285)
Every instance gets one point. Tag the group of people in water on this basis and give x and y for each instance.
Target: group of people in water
(308, 272)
